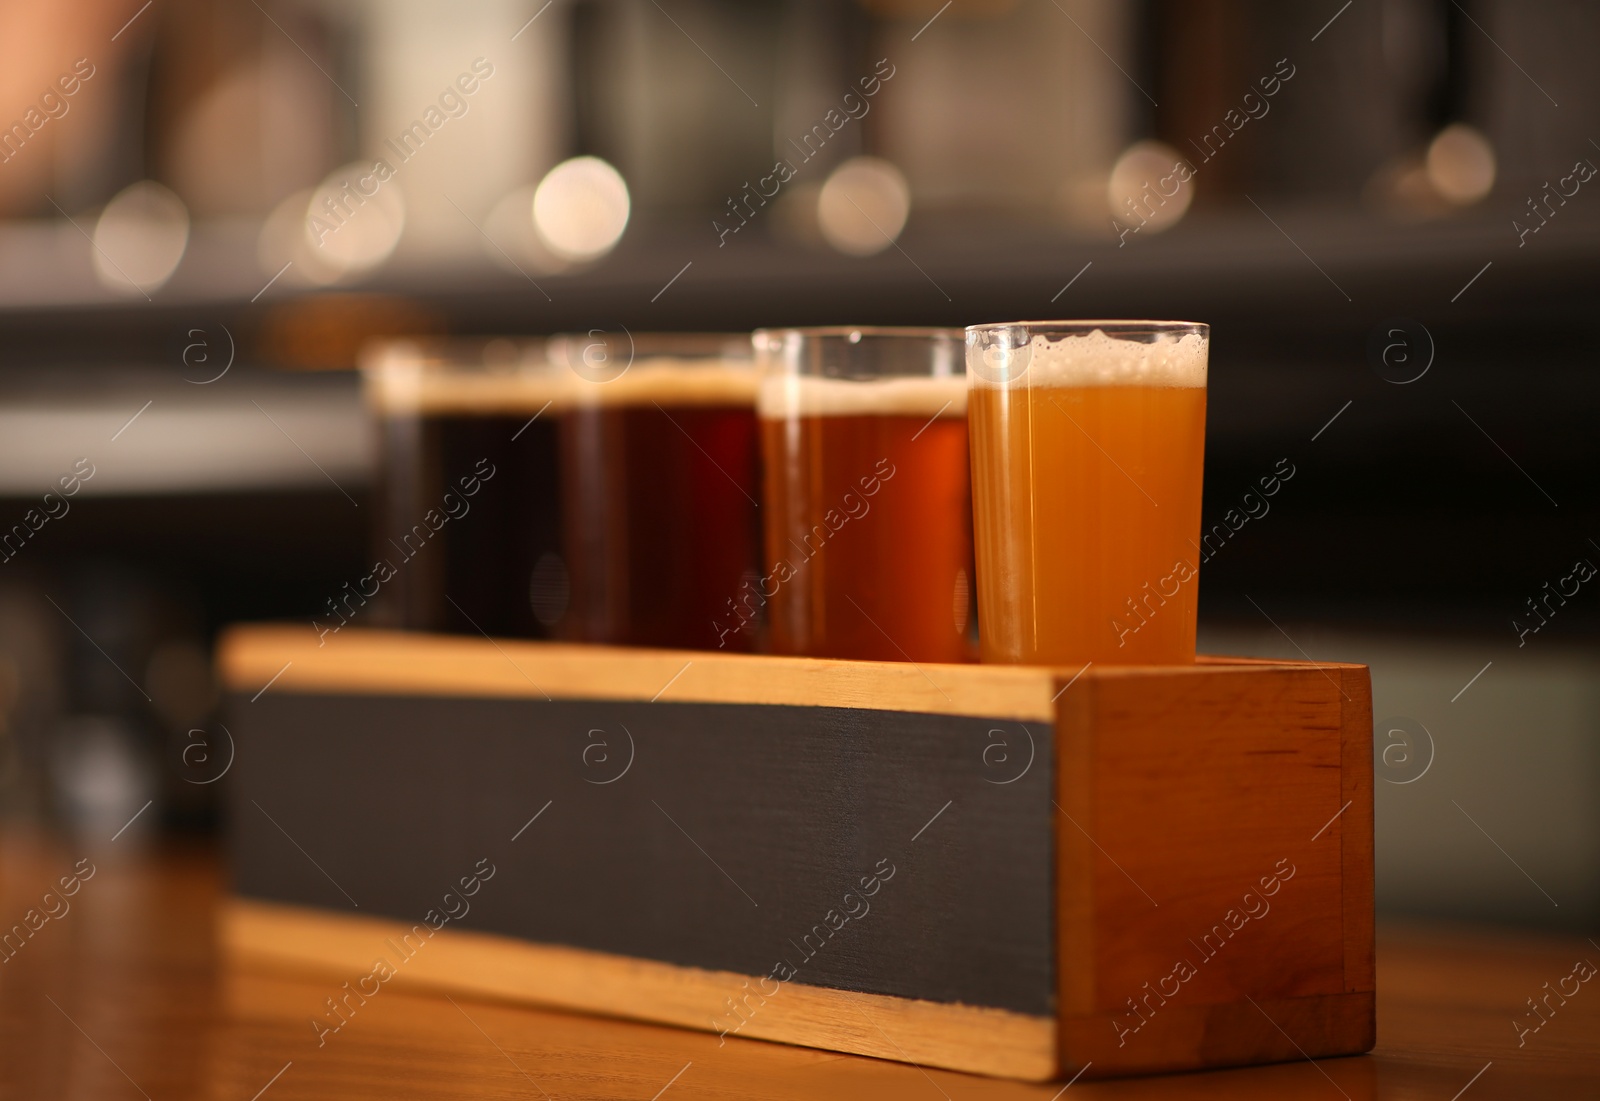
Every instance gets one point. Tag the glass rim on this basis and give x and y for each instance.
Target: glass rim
(452, 354)
(600, 357)
(655, 345)
(1097, 352)
(861, 332)
(859, 353)
(1110, 325)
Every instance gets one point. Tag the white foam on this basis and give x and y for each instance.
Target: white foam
(786, 395)
(403, 377)
(1096, 358)
(672, 381)
(409, 386)
(415, 388)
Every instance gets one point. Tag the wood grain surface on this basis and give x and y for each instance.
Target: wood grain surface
(128, 995)
(266, 937)
(294, 657)
(1210, 827)
(392, 661)
(1208, 900)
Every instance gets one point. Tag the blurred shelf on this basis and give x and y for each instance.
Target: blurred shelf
(147, 431)
(1460, 493)
(1225, 262)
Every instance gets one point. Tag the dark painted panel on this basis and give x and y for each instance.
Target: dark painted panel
(730, 836)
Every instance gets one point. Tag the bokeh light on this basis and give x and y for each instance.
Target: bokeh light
(863, 206)
(354, 219)
(581, 208)
(1461, 164)
(510, 240)
(140, 238)
(283, 239)
(1148, 189)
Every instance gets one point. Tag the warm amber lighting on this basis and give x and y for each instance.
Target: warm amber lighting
(1461, 164)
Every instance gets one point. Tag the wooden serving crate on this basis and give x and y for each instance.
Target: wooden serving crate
(1016, 871)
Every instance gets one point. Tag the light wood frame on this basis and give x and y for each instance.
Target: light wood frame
(1183, 794)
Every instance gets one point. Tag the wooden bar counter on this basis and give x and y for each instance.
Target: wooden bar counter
(125, 993)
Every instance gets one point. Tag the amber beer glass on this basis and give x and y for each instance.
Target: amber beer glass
(659, 460)
(867, 515)
(468, 516)
(1088, 439)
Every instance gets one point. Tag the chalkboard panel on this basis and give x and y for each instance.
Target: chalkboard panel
(723, 836)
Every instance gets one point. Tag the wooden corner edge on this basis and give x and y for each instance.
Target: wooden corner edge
(1357, 830)
(1228, 1034)
(1075, 703)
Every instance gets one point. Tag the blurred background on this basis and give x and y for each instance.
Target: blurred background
(207, 208)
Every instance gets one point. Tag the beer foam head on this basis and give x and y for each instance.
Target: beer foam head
(407, 377)
(667, 380)
(1091, 356)
(786, 395)
(626, 368)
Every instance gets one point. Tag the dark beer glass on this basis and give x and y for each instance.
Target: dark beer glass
(468, 523)
(867, 509)
(659, 460)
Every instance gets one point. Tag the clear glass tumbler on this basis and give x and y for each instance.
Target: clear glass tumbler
(867, 506)
(1088, 442)
(467, 531)
(659, 487)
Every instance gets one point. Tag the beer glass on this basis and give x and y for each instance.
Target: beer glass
(1088, 439)
(867, 514)
(467, 526)
(659, 461)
